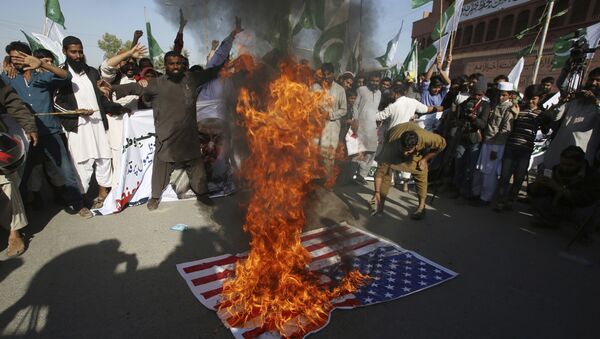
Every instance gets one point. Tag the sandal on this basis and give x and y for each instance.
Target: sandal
(418, 215)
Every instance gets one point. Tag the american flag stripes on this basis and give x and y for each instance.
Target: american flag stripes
(396, 272)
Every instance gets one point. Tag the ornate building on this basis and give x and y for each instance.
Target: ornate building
(485, 39)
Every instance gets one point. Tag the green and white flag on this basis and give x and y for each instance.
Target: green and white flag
(449, 20)
(154, 49)
(563, 45)
(427, 57)
(353, 64)
(411, 63)
(330, 46)
(312, 17)
(418, 3)
(390, 51)
(34, 44)
(54, 13)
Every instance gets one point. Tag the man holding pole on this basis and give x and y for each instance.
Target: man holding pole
(35, 89)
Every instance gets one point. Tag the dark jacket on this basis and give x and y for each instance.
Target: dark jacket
(65, 101)
(470, 131)
(11, 104)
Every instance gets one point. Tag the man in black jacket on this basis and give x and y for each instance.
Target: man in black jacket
(86, 131)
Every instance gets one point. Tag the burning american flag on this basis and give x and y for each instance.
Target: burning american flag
(334, 251)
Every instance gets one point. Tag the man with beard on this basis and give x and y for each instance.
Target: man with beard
(86, 131)
(35, 89)
(579, 120)
(109, 71)
(335, 106)
(366, 107)
(547, 84)
(173, 99)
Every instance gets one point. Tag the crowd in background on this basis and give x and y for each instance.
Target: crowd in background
(471, 138)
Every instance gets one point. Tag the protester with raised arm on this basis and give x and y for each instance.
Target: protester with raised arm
(433, 92)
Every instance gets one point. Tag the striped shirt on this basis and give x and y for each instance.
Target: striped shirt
(525, 127)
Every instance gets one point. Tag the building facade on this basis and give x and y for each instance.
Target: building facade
(486, 37)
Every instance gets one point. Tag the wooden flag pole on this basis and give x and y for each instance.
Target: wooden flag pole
(541, 50)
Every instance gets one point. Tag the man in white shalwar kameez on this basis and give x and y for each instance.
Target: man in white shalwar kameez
(86, 133)
(366, 108)
(336, 107)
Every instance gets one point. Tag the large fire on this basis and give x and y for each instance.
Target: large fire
(273, 289)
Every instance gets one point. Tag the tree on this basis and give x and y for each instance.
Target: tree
(110, 44)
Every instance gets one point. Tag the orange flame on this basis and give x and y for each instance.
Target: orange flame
(273, 288)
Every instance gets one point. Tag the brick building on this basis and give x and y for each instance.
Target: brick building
(485, 39)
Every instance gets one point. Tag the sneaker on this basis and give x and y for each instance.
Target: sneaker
(85, 213)
(152, 204)
(16, 247)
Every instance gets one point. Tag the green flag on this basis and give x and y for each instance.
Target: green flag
(563, 45)
(418, 3)
(410, 64)
(330, 45)
(390, 51)
(353, 64)
(153, 48)
(54, 13)
(528, 50)
(34, 44)
(440, 29)
(312, 17)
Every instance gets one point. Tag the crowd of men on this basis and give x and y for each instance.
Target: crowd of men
(469, 137)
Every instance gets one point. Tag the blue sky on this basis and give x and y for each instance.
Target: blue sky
(88, 20)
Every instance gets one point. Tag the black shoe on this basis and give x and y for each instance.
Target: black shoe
(418, 215)
(152, 204)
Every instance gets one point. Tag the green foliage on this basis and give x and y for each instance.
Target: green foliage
(110, 44)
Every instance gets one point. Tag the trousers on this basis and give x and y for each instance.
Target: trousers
(12, 211)
(385, 171)
(161, 175)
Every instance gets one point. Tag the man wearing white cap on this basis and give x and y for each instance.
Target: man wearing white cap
(498, 128)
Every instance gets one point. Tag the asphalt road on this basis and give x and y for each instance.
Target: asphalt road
(115, 276)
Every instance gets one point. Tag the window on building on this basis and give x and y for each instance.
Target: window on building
(560, 6)
(467, 35)
(522, 21)
(506, 26)
(479, 32)
(492, 30)
(579, 11)
(458, 37)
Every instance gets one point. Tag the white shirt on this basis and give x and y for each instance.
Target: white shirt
(91, 140)
(401, 111)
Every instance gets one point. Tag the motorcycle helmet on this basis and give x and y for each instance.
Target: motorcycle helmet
(12, 153)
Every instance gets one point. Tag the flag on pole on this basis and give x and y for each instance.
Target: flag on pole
(427, 57)
(52, 45)
(330, 45)
(390, 51)
(353, 61)
(154, 49)
(449, 20)
(54, 13)
(411, 62)
(312, 17)
(515, 74)
(563, 45)
(418, 3)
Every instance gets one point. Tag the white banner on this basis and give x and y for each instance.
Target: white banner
(479, 8)
(134, 186)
